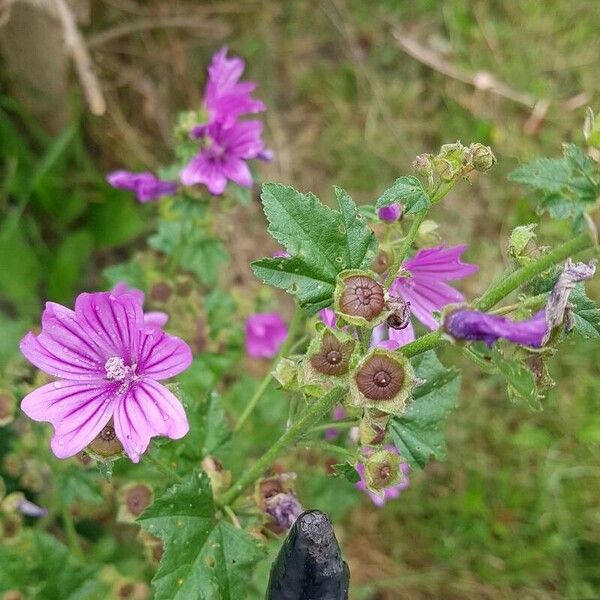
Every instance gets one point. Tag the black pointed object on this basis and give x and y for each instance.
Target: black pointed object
(309, 565)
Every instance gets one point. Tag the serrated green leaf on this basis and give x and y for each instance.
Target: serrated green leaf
(407, 191)
(520, 380)
(205, 558)
(321, 242)
(418, 433)
(569, 184)
(586, 313)
(131, 273)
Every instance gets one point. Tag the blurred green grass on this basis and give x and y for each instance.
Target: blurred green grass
(515, 511)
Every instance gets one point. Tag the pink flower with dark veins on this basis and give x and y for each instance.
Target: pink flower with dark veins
(108, 364)
(153, 318)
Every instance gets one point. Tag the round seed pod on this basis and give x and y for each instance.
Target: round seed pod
(136, 497)
(333, 357)
(359, 298)
(106, 444)
(380, 378)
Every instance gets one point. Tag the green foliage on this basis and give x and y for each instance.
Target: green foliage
(205, 556)
(43, 568)
(586, 313)
(407, 191)
(569, 185)
(418, 433)
(520, 381)
(322, 243)
(347, 471)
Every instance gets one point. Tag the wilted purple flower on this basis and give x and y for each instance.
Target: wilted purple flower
(425, 288)
(328, 317)
(108, 364)
(225, 96)
(473, 325)
(284, 508)
(29, 509)
(155, 318)
(224, 156)
(265, 333)
(146, 185)
(390, 213)
(389, 493)
(337, 414)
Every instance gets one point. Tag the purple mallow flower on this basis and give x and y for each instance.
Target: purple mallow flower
(154, 318)
(146, 186)
(225, 96)
(265, 333)
(389, 493)
(391, 213)
(224, 156)
(425, 287)
(109, 365)
(473, 325)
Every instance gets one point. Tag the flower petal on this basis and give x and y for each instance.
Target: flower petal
(112, 322)
(440, 263)
(155, 319)
(237, 170)
(77, 410)
(148, 410)
(402, 336)
(162, 355)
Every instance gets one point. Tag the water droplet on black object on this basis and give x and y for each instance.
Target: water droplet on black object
(309, 564)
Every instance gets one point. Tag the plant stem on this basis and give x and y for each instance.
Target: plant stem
(71, 534)
(332, 448)
(496, 293)
(527, 303)
(319, 408)
(510, 283)
(264, 384)
(341, 424)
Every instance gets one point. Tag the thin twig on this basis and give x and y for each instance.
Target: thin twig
(81, 57)
(481, 80)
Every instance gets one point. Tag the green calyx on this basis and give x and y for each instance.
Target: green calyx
(382, 470)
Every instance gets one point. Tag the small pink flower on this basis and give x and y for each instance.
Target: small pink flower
(108, 364)
(146, 186)
(389, 493)
(265, 333)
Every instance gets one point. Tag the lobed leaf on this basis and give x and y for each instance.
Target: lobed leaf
(407, 191)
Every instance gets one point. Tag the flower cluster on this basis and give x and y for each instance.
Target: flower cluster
(226, 142)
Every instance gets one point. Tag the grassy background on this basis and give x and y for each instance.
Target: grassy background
(514, 512)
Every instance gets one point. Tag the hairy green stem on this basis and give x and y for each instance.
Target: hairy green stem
(264, 384)
(331, 448)
(510, 283)
(316, 411)
(341, 424)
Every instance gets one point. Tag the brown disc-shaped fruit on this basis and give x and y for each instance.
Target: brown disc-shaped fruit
(106, 443)
(380, 378)
(333, 357)
(362, 297)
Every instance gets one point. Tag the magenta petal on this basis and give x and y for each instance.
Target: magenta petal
(402, 336)
(78, 412)
(328, 317)
(155, 319)
(148, 410)
(237, 170)
(265, 333)
(113, 322)
(440, 263)
(123, 288)
(63, 348)
(162, 355)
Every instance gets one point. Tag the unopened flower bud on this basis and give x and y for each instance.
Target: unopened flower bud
(482, 157)
(372, 427)
(428, 235)
(391, 213)
(382, 470)
(399, 317)
(134, 499)
(106, 445)
(284, 509)
(359, 298)
(7, 408)
(422, 164)
(382, 262)
(383, 380)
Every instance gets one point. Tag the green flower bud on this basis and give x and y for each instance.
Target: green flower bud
(359, 298)
(382, 262)
(428, 235)
(382, 470)
(383, 380)
(372, 427)
(482, 157)
(286, 373)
